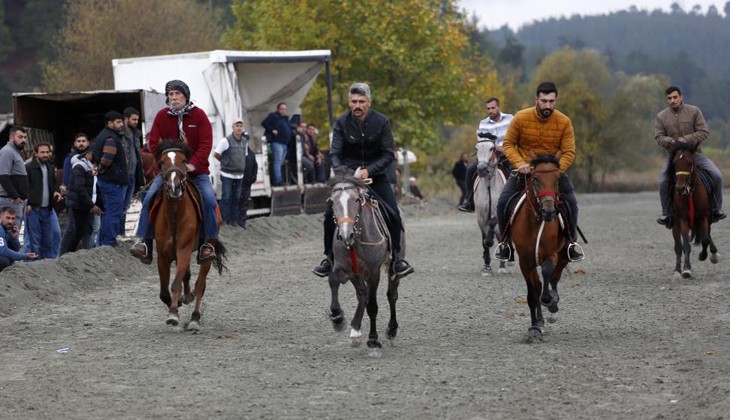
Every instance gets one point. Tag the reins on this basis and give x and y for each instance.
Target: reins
(691, 174)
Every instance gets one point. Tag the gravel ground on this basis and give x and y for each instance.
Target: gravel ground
(631, 341)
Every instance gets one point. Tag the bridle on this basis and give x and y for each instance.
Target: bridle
(542, 197)
(176, 169)
(360, 200)
(492, 161)
(689, 185)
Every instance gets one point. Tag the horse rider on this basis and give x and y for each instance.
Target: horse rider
(495, 124)
(683, 124)
(181, 119)
(362, 138)
(544, 131)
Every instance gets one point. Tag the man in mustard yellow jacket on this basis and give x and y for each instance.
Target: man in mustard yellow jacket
(544, 131)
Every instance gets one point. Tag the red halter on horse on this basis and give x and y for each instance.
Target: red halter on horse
(177, 234)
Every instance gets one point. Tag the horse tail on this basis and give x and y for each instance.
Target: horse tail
(220, 255)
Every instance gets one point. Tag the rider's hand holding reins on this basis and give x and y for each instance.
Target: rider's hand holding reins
(525, 168)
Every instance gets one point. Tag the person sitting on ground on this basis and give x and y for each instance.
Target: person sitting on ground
(9, 244)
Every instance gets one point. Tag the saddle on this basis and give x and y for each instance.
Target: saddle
(517, 200)
(380, 218)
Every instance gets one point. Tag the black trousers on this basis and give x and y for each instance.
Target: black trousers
(383, 192)
(5, 262)
(83, 226)
(513, 185)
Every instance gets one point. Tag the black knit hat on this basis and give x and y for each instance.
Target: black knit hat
(178, 85)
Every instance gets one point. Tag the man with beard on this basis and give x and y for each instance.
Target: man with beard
(362, 139)
(181, 119)
(682, 125)
(544, 131)
(13, 176)
(496, 124)
(80, 147)
(9, 245)
(113, 176)
(132, 138)
(278, 133)
(39, 209)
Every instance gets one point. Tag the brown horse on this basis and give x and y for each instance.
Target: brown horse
(177, 233)
(691, 213)
(540, 240)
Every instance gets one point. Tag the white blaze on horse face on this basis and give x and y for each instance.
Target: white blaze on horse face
(172, 156)
(172, 177)
(343, 202)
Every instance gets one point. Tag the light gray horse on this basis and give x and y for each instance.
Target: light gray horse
(361, 250)
(486, 194)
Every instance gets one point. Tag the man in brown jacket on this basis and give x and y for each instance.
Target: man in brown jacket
(544, 131)
(682, 124)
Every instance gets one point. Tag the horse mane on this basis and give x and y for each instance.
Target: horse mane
(545, 159)
(166, 145)
(338, 178)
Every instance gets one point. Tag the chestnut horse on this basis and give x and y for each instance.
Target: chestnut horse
(691, 213)
(540, 240)
(177, 232)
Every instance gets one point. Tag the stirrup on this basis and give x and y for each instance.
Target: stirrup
(579, 249)
(498, 250)
(210, 257)
(145, 258)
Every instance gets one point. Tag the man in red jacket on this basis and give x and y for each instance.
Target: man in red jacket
(182, 120)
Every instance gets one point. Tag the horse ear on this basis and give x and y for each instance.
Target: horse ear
(557, 155)
(357, 173)
(532, 154)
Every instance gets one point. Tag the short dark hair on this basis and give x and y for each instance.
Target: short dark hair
(279, 105)
(673, 88)
(311, 125)
(112, 116)
(17, 128)
(546, 88)
(79, 135)
(8, 209)
(43, 143)
(492, 99)
(129, 111)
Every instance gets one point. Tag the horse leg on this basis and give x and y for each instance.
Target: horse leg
(361, 290)
(687, 248)
(493, 231)
(200, 284)
(535, 332)
(183, 266)
(187, 296)
(557, 273)
(548, 296)
(337, 315)
(392, 299)
(486, 268)
(677, 234)
(373, 342)
(163, 268)
(714, 256)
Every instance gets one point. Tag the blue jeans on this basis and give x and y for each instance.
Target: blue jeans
(114, 207)
(127, 201)
(40, 232)
(56, 226)
(230, 199)
(146, 231)
(279, 150)
(93, 240)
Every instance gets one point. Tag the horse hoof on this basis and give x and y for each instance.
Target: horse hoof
(193, 326)
(339, 327)
(534, 334)
(391, 333)
(702, 256)
(715, 258)
(486, 270)
(356, 338)
(553, 316)
(686, 274)
(375, 353)
(677, 275)
(502, 271)
(172, 320)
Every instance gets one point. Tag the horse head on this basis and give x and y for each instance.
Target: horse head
(172, 158)
(684, 169)
(346, 200)
(486, 158)
(545, 174)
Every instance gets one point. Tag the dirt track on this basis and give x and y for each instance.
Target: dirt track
(631, 341)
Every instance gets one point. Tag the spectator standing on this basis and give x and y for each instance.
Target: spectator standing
(9, 244)
(82, 200)
(232, 151)
(81, 145)
(55, 225)
(278, 132)
(312, 158)
(39, 208)
(13, 176)
(414, 190)
(113, 176)
(459, 173)
(132, 140)
(249, 177)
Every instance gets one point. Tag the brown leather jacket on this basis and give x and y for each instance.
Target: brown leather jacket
(687, 121)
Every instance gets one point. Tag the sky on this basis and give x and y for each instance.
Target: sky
(494, 14)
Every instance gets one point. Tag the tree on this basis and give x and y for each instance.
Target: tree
(415, 54)
(88, 42)
(6, 40)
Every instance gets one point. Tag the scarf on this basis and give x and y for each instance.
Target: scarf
(180, 113)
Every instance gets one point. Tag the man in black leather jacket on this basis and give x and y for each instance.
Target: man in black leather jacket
(362, 139)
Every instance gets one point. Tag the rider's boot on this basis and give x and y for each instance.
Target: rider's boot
(324, 268)
(468, 205)
(665, 220)
(575, 253)
(503, 252)
(400, 267)
(142, 250)
(717, 215)
(207, 251)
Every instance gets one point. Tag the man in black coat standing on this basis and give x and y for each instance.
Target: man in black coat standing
(459, 173)
(362, 139)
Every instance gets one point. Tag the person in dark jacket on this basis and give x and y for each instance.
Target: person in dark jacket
(362, 139)
(113, 175)
(9, 244)
(278, 132)
(39, 208)
(231, 151)
(82, 200)
(81, 145)
(249, 177)
(132, 138)
(459, 173)
(13, 176)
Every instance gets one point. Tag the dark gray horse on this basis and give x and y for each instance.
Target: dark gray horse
(361, 249)
(487, 191)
